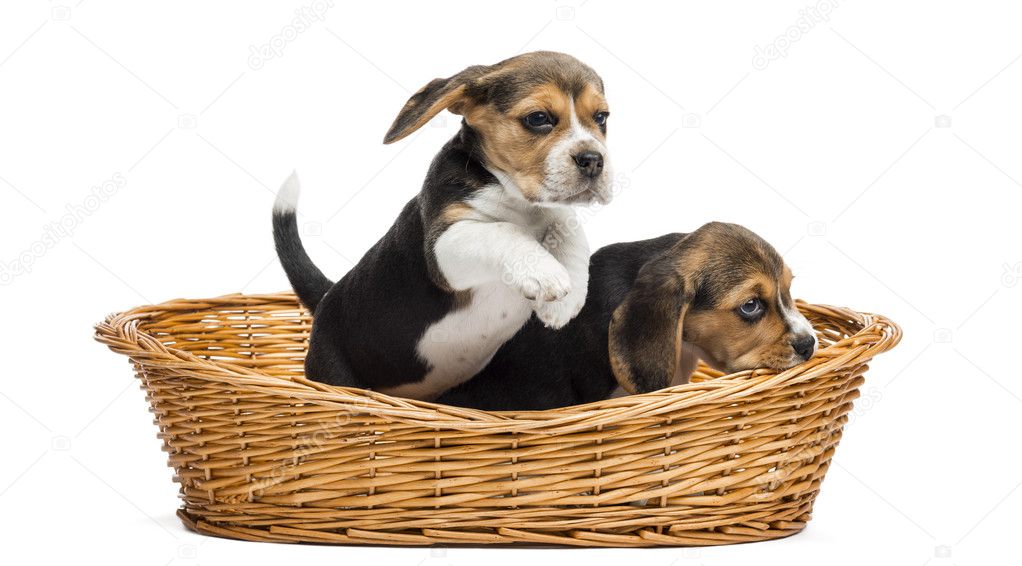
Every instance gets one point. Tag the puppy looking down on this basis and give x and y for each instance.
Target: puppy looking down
(489, 239)
(655, 308)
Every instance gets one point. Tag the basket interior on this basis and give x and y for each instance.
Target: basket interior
(273, 338)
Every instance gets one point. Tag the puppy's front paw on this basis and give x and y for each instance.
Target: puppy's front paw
(559, 313)
(542, 280)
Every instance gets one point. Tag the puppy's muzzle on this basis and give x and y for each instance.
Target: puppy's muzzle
(804, 346)
(590, 163)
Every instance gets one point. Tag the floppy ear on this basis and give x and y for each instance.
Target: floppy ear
(431, 100)
(645, 331)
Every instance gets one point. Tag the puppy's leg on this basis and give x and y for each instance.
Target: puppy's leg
(471, 252)
(327, 365)
(566, 241)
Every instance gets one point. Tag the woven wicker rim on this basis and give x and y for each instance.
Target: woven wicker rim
(125, 333)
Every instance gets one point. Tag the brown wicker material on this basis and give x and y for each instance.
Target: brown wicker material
(263, 454)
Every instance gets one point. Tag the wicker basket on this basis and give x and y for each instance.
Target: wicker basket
(263, 454)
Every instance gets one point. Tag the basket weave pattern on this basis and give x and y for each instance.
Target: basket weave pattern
(263, 454)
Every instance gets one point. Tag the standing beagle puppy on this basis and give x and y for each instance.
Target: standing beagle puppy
(489, 240)
(655, 308)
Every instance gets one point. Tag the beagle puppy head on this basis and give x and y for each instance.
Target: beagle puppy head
(541, 119)
(721, 292)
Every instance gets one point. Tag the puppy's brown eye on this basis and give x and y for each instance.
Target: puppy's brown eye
(601, 118)
(752, 309)
(539, 122)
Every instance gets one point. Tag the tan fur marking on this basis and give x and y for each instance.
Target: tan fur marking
(692, 261)
(757, 286)
(736, 343)
(513, 149)
(448, 100)
(786, 277)
(620, 368)
(455, 212)
(679, 334)
(588, 103)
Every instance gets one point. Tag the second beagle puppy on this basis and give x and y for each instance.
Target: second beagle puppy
(655, 308)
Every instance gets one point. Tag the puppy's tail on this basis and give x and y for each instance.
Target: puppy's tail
(306, 279)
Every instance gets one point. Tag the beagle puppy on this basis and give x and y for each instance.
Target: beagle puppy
(655, 308)
(490, 239)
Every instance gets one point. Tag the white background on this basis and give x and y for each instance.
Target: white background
(880, 154)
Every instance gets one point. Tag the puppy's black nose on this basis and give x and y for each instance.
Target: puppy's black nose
(590, 162)
(804, 346)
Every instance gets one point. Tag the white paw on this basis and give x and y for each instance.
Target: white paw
(559, 313)
(543, 279)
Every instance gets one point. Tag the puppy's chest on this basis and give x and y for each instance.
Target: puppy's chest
(458, 346)
(491, 203)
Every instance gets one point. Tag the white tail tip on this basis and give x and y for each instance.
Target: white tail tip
(287, 196)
